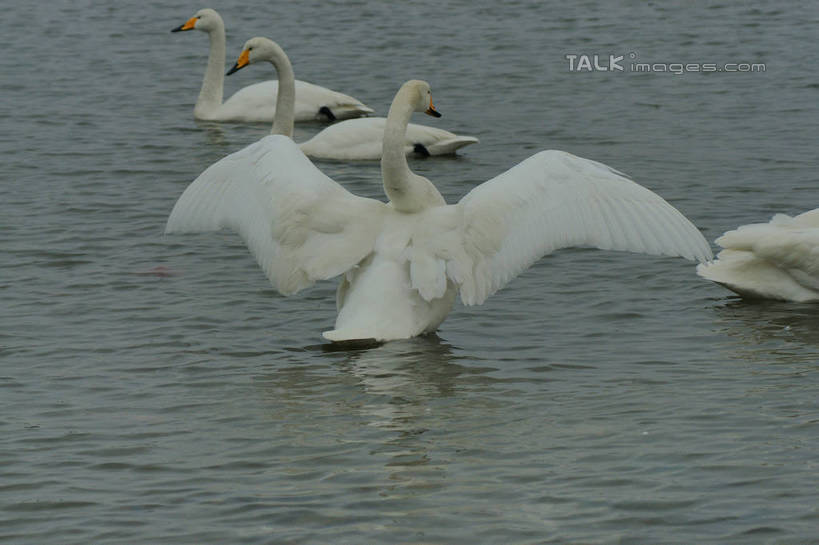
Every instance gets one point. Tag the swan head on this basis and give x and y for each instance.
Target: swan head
(255, 50)
(205, 20)
(419, 95)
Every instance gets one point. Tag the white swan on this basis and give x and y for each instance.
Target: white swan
(775, 260)
(402, 263)
(257, 102)
(354, 139)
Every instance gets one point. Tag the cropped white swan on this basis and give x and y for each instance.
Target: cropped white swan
(354, 139)
(774, 260)
(257, 102)
(402, 263)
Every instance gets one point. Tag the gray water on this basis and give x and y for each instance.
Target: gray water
(600, 398)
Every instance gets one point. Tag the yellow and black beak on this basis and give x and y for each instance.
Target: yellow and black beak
(431, 110)
(189, 25)
(241, 62)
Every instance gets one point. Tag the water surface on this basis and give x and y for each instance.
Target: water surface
(599, 398)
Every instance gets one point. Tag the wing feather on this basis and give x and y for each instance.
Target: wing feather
(555, 200)
(299, 224)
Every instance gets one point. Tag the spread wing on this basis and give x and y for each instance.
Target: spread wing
(299, 224)
(555, 200)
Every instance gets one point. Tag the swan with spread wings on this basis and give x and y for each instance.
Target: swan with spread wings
(402, 263)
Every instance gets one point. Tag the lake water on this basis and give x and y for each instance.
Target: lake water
(600, 398)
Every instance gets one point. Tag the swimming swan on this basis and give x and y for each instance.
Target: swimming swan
(402, 263)
(257, 102)
(354, 139)
(774, 260)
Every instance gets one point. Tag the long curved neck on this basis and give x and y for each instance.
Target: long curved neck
(395, 171)
(407, 191)
(286, 98)
(210, 96)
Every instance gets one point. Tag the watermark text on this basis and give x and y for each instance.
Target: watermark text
(579, 62)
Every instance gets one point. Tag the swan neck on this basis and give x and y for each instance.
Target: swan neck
(395, 171)
(286, 96)
(210, 96)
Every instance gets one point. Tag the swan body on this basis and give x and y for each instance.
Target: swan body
(361, 139)
(403, 263)
(257, 102)
(350, 140)
(774, 260)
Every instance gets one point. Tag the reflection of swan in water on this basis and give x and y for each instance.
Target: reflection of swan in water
(214, 134)
(409, 370)
(765, 330)
(405, 371)
(391, 389)
(400, 379)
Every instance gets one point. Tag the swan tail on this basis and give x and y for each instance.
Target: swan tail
(349, 337)
(450, 145)
(350, 111)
